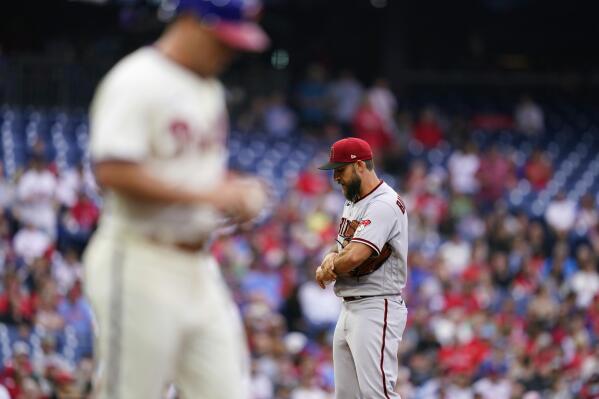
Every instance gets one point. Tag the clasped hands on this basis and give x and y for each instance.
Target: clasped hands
(325, 273)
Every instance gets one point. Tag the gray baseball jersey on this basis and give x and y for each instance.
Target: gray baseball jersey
(381, 218)
(369, 330)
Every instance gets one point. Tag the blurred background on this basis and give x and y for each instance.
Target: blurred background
(483, 114)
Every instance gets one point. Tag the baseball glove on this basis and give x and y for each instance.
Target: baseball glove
(373, 263)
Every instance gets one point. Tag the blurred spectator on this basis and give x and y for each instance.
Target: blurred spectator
(537, 240)
(47, 317)
(346, 93)
(427, 130)
(16, 305)
(538, 170)
(585, 282)
(462, 209)
(77, 223)
(85, 373)
(529, 117)
(17, 370)
(384, 103)
(48, 358)
(6, 250)
(261, 386)
(4, 394)
(311, 183)
(66, 270)
(312, 97)
(560, 266)
(251, 120)
(85, 213)
(455, 255)
(431, 203)
(560, 390)
(7, 191)
(30, 243)
(416, 181)
(395, 159)
(587, 216)
(561, 214)
(591, 387)
(320, 307)
(309, 389)
(64, 387)
(458, 131)
(495, 175)
(31, 389)
(263, 282)
(279, 119)
(77, 313)
(463, 165)
(36, 195)
(405, 124)
(404, 386)
(36, 275)
(494, 385)
(543, 308)
(70, 183)
(38, 151)
(371, 127)
(460, 387)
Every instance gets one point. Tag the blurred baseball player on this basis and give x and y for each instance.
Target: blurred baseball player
(369, 266)
(158, 134)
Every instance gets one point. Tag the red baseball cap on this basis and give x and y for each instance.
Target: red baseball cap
(347, 151)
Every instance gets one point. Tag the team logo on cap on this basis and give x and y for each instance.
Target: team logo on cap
(352, 156)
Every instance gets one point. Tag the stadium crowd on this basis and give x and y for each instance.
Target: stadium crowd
(502, 304)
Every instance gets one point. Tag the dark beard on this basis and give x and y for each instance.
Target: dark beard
(353, 188)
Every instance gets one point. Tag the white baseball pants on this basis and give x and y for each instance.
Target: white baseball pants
(163, 315)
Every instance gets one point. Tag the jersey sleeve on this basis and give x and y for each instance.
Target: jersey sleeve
(377, 226)
(120, 121)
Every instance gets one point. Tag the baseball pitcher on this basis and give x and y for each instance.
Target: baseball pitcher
(369, 267)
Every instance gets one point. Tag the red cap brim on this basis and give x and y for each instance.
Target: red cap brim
(246, 36)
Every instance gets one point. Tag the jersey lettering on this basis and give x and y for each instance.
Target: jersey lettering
(348, 228)
(344, 227)
(188, 139)
(401, 204)
(181, 133)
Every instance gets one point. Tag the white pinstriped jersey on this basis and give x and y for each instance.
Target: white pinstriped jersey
(153, 111)
(382, 218)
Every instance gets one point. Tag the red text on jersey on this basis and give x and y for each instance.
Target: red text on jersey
(401, 204)
(187, 138)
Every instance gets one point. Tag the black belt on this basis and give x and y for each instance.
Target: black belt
(355, 298)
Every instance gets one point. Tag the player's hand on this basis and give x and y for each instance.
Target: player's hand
(320, 278)
(328, 267)
(241, 199)
(325, 272)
